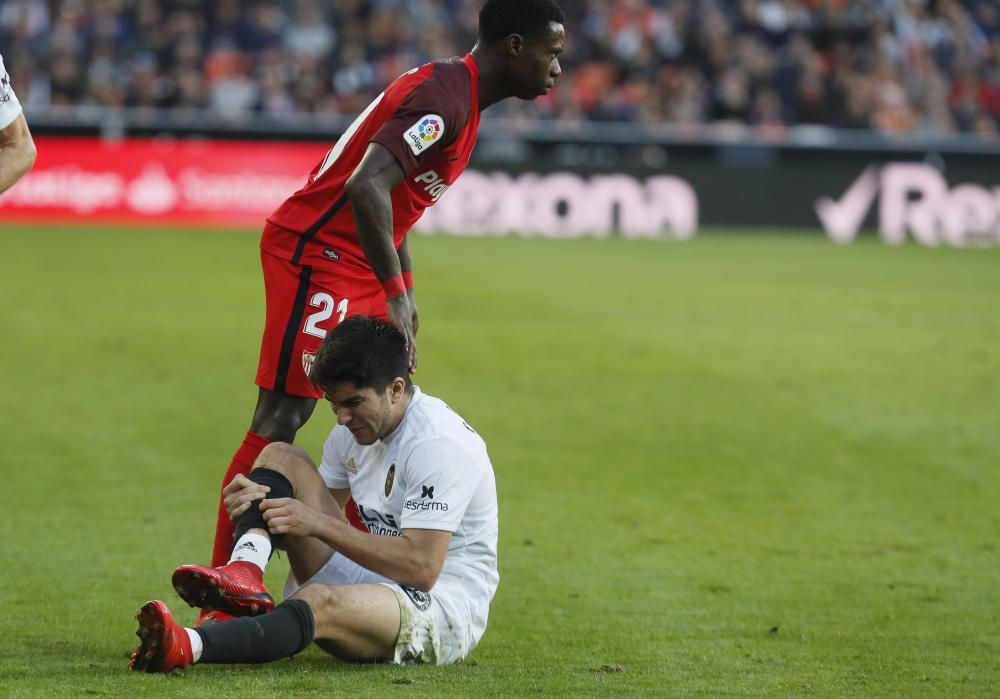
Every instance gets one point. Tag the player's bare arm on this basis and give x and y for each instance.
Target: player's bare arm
(406, 265)
(414, 558)
(17, 152)
(369, 192)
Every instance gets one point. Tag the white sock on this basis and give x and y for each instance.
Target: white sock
(255, 548)
(197, 646)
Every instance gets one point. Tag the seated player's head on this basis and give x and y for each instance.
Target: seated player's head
(362, 368)
(528, 35)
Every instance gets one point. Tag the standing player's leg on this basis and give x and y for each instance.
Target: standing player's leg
(303, 303)
(277, 418)
(285, 398)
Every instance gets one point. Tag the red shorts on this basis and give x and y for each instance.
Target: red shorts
(303, 302)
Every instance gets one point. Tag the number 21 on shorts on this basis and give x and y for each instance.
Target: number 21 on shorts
(326, 305)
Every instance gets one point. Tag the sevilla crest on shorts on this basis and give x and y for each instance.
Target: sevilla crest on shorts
(308, 359)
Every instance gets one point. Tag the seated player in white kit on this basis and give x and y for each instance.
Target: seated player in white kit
(415, 588)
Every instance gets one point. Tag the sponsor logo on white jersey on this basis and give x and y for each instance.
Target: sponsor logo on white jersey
(424, 505)
(377, 522)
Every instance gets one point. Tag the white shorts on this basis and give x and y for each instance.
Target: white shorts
(434, 627)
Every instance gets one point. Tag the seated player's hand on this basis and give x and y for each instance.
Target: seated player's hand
(240, 493)
(290, 516)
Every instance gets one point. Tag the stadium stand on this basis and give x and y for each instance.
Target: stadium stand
(897, 66)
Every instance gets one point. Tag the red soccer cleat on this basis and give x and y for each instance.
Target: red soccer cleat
(236, 588)
(163, 643)
(209, 617)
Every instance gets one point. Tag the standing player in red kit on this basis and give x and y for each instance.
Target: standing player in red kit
(337, 247)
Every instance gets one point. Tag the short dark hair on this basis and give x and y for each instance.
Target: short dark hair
(366, 351)
(529, 18)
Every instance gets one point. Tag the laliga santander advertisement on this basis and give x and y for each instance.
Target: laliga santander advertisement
(184, 182)
(238, 183)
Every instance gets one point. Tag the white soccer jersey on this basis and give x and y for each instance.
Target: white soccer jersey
(432, 472)
(9, 106)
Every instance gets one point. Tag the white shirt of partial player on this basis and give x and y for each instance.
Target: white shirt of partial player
(9, 106)
(441, 478)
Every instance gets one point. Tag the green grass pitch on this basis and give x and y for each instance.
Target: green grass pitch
(750, 465)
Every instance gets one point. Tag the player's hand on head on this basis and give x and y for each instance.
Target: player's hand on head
(290, 516)
(401, 313)
(240, 493)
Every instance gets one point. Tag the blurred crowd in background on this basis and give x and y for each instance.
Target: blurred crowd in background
(925, 66)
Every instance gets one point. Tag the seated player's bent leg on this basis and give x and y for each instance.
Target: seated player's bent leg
(278, 416)
(358, 623)
(308, 486)
(306, 555)
(285, 458)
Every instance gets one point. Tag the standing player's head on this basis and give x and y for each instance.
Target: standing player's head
(528, 36)
(363, 369)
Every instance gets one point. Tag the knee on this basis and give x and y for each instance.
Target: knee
(327, 605)
(356, 623)
(283, 451)
(285, 458)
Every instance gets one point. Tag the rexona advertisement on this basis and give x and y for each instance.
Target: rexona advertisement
(564, 205)
(915, 201)
(229, 183)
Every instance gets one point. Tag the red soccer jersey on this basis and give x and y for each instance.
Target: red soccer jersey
(428, 118)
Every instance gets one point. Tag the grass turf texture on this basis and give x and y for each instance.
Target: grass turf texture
(748, 465)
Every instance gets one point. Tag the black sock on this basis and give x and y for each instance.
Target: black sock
(253, 518)
(282, 633)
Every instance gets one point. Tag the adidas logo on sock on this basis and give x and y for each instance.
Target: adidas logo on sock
(246, 546)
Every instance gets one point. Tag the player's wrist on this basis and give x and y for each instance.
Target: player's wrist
(394, 286)
(328, 528)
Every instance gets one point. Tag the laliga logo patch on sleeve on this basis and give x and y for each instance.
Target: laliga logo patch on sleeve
(424, 133)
